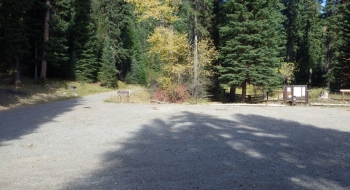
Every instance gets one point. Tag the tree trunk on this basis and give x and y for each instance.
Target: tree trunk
(17, 72)
(195, 58)
(195, 68)
(289, 51)
(233, 93)
(328, 60)
(244, 91)
(310, 76)
(46, 39)
(36, 64)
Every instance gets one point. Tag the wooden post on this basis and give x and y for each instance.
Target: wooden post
(343, 91)
(292, 90)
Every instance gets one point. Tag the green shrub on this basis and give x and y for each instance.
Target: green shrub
(122, 85)
(315, 93)
(41, 81)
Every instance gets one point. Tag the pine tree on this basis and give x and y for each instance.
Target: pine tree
(333, 15)
(133, 76)
(57, 46)
(108, 73)
(35, 25)
(304, 35)
(116, 23)
(14, 41)
(82, 38)
(87, 65)
(139, 70)
(343, 68)
(252, 44)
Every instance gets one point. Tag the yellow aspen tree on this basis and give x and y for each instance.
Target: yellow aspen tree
(171, 46)
(287, 71)
(207, 53)
(173, 50)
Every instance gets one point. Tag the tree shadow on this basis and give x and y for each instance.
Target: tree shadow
(9, 97)
(18, 122)
(199, 151)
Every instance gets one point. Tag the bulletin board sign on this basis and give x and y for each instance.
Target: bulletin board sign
(299, 92)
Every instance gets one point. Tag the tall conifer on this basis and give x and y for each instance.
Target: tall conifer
(333, 15)
(343, 69)
(83, 49)
(108, 73)
(304, 34)
(251, 43)
(87, 64)
(14, 41)
(115, 24)
(57, 46)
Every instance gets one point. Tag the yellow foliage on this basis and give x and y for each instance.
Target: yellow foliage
(206, 55)
(162, 10)
(287, 71)
(173, 50)
(172, 47)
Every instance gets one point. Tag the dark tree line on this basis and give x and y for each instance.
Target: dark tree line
(105, 41)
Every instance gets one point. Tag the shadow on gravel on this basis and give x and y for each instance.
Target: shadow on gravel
(195, 151)
(18, 122)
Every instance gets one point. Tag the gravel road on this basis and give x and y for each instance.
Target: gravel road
(89, 144)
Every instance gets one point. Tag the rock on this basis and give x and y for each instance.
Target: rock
(72, 88)
(324, 95)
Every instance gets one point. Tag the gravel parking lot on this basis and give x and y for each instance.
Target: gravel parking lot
(89, 144)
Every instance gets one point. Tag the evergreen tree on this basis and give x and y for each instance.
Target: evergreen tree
(343, 68)
(57, 46)
(116, 23)
(87, 65)
(196, 18)
(14, 41)
(333, 15)
(83, 49)
(133, 76)
(304, 35)
(35, 25)
(139, 70)
(108, 72)
(251, 44)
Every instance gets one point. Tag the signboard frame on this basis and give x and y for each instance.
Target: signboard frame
(299, 92)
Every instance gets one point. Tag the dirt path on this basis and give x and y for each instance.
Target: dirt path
(89, 144)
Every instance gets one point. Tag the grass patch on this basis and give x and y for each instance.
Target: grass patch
(333, 98)
(136, 96)
(50, 90)
(315, 93)
(85, 89)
